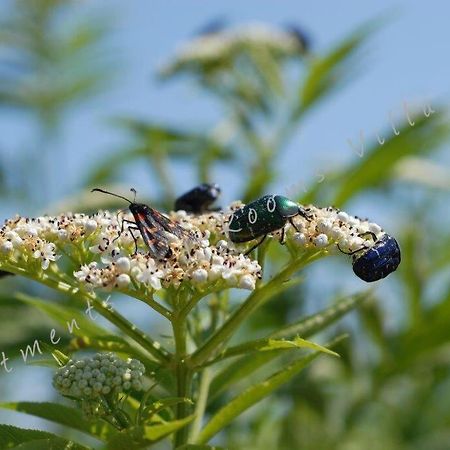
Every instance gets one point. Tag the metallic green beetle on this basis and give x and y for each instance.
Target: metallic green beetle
(263, 216)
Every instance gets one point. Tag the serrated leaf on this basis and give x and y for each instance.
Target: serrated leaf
(14, 437)
(62, 415)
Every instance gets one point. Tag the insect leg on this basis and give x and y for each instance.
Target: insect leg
(256, 245)
(293, 224)
(134, 237)
(351, 253)
(283, 236)
(122, 228)
(373, 235)
(305, 215)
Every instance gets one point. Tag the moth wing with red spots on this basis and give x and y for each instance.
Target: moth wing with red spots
(171, 227)
(154, 238)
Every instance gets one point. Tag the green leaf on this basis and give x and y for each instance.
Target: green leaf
(165, 403)
(250, 397)
(64, 315)
(153, 140)
(14, 437)
(62, 415)
(139, 437)
(254, 301)
(157, 432)
(198, 447)
(268, 344)
(310, 325)
(378, 165)
(328, 72)
(55, 443)
(298, 342)
(307, 326)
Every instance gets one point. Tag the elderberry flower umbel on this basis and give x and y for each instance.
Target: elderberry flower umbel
(103, 374)
(103, 256)
(210, 49)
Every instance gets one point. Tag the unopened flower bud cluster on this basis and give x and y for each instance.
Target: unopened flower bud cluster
(103, 374)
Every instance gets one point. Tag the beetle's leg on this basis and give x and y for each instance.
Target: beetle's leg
(256, 245)
(305, 215)
(353, 252)
(374, 236)
(283, 235)
(293, 224)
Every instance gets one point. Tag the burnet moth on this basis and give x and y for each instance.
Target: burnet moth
(152, 225)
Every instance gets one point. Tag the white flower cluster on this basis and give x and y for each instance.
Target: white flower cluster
(23, 239)
(107, 257)
(330, 225)
(103, 374)
(214, 47)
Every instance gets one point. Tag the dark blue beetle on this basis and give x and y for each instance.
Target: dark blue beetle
(378, 261)
(199, 199)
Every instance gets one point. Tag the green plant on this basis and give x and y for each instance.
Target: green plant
(226, 352)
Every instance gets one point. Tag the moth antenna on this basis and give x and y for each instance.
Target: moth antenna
(111, 193)
(133, 190)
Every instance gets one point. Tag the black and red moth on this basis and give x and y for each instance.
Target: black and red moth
(152, 225)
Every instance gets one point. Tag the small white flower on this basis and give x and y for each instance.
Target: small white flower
(90, 226)
(63, 235)
(15, 239)
(300, 239)
(200, 276)
(123, 264)
(374, 228)
(6, 247)
(343, 216)
(230, 276)
(151, 276)
(47, 254)
(247, 282)
(123, 280)
(321, 240)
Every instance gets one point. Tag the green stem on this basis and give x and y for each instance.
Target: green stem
(183, 375)
(253, 302)
(201, 403)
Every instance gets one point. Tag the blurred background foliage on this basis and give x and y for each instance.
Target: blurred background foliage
(390, 388)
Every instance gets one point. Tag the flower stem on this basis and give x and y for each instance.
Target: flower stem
(253, 302)
(183, 375)
(201, 403)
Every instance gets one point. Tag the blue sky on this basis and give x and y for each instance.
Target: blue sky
(405, 61)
